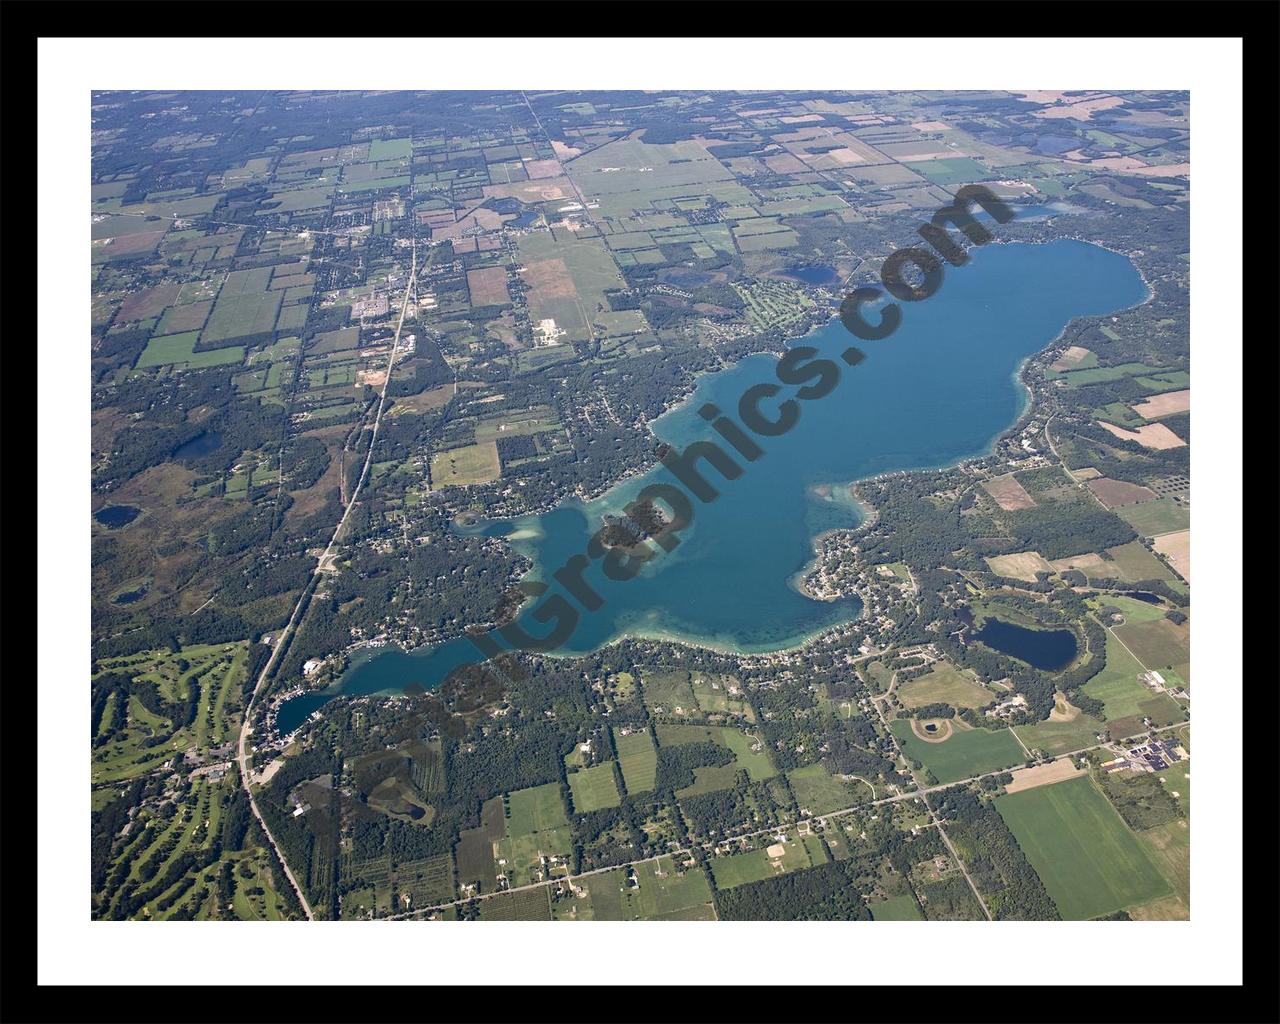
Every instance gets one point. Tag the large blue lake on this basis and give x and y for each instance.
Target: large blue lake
(940, 389)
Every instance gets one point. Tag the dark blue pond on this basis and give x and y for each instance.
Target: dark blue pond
(817, 274)
(1142, 595)
(116, 516)
(1047, 649)
(130, 596)
(206, 444)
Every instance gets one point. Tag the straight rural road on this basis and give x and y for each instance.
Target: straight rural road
(824, 818)
(242, 755)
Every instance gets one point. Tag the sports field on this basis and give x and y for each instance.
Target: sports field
(966, 753)
(1089, 861)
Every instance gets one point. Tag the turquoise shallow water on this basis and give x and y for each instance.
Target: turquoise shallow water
(938, 390)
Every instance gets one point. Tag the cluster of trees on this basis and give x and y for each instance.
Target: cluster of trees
(828, 892)
(1061, 529)
(1140, 798)
(999, 868)
(676, 764)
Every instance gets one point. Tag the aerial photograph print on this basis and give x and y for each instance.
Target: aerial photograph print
(531, 505)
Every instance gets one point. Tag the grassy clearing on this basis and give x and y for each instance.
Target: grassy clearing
(897, 908)
(819, 792)
(528, 858)
(945, 684)
(1134, 562)
(463, 467)
(1057, 737)
(748, 749)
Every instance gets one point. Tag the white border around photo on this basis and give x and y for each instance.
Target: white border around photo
(74, 949)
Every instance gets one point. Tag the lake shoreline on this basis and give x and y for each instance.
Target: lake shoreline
(1027, 401)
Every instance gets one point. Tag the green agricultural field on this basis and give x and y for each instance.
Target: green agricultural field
(968, 752)
(1152, 518)
(756, 762)
(660, 893)
(334, 341)
(1171, 380)
(177, 350)
(534, 359)
(1169, 846)
(594, 788)
(741, 868)
(539, 420)
(956, 170)
(390, 149)
(713, 696)
(535, 809)
(1099, 374)
(180, 319)
(638, 758)
(1119, 414)
(1135, 562)
(819, 792)
(945, 684)
(1089, 861)
(1124, 695)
